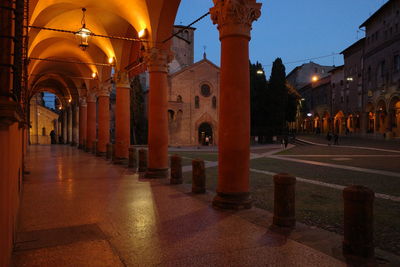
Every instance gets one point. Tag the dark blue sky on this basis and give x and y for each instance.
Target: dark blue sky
(290, 29)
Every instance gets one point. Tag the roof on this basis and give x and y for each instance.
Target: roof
(377, 13)
(204, 60)
(351, 48)
(336, 69)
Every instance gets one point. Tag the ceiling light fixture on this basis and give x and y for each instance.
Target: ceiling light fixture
(83, 33)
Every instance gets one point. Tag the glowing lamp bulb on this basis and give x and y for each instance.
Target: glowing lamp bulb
(142, 33)
(260, 72)
(314, 78)
(110, 60)
(94, 74)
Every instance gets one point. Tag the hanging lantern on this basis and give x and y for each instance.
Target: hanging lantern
(83, 33)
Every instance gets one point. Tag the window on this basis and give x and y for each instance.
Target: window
(171, 115)
(382, 68)
(396, 63)
(197, 102)
(179, 99)
(205, 90)
(214, 102)
(341, 82)
(369, 74)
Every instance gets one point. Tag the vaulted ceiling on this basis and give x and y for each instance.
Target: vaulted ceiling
(122, 18)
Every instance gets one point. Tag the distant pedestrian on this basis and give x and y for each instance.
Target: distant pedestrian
(207, 140)
(329, 138)
(282, 142)
(336, 139)
(285, 140)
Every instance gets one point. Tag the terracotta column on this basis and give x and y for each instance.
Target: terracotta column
(103, 95)
(122, 117)
(82, 121)
(157, 63)
(69, 123)
(64, 126)
(75, 126)
(234, 19)
(91, 120)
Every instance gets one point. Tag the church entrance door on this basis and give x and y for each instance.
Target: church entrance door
(205, 134)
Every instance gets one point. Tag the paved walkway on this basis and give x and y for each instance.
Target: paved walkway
(79, 210)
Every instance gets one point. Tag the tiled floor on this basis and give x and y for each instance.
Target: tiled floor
(79, 210)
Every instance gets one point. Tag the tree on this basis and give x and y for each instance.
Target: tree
(258, 98)
(138, 118)
(278, 98)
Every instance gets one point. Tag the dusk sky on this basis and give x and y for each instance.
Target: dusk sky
(291, 29)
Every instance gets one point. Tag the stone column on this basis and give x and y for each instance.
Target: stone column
(91, 120)
(234, 19)
(122, 117)
(75, 125)
(82, 121)
(157, 63)
(103, 95)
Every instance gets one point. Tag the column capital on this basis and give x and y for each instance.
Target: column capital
(235, 17)
(104, 89)
(122, 79)
(91, 96)
(82, 101)
(157, 59)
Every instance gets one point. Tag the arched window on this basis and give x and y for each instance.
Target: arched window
(179, 99)
(214, 102)
(197, 102)
(171, 115)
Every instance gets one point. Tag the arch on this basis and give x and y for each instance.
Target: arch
(205, 134)
(394, 115)
(326, 120)
(339, 123)
(179, 99)
(171, 115)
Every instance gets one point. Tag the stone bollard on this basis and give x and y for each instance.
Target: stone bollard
(176, 169)
(199, 176)
(358, 241)
(284, 200)
(109, 151)
(142, 160)
(132, 163)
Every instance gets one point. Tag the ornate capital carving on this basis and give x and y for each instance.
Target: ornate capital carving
(91, 96)
(104, 89)
(122, 79)
(82, 101)
(235, 17)
(157, 59)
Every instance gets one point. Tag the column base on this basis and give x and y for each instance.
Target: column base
(120, 161)
(156, 173)
(100, 154)
(80, 146)
(232, 201)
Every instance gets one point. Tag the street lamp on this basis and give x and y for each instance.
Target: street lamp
(260, 72)
(309, 114)
(314, 78)
(83, 33)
